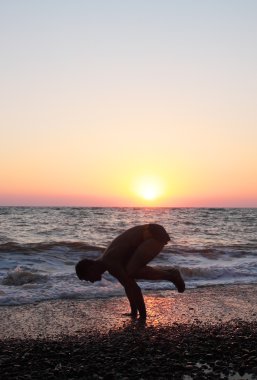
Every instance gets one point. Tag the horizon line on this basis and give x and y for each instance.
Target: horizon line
(163, 207)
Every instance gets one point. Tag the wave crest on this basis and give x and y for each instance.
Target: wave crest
(45, 246)
(21, 276)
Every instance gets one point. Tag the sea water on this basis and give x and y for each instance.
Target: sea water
(39, 248)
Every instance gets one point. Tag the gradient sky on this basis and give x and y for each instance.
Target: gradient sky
(102, 102)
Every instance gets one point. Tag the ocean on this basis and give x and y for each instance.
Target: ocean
(39, 248)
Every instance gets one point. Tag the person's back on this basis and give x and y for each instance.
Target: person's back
(124, 246)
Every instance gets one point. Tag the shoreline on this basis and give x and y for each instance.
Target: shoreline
(50, 319)
(204, 333)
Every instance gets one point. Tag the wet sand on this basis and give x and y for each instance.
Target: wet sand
(205, 333)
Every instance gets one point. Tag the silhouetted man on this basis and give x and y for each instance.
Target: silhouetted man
(127, 257)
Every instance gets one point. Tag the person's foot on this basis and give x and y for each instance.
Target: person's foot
(177, 280)
(132, 315)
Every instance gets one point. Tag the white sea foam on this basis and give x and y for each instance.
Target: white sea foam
(20, 276)
(25, 284)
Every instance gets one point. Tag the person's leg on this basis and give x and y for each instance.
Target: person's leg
(138, 269)
(146, 252)
(156, 273)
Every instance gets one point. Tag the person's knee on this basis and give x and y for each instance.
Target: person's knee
(159, 233)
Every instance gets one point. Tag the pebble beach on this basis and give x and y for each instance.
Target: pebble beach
(205, 333)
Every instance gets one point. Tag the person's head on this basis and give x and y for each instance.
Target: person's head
(89, 270)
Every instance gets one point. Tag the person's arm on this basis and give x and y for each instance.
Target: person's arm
(132, 290)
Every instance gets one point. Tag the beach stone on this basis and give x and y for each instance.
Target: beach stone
(109, 376)
(151, 353)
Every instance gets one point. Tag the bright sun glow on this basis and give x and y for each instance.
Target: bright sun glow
(149, 188)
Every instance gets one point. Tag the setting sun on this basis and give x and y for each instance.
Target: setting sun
(148, 188)
(149, 193)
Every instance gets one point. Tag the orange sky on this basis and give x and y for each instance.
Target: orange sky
(110, 105)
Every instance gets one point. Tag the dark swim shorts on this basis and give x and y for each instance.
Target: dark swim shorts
(158, 233)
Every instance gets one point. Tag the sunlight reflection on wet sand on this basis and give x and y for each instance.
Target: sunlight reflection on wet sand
(72, 317)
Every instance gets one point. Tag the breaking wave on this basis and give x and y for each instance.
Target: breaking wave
(21, 276)
(12, 247)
